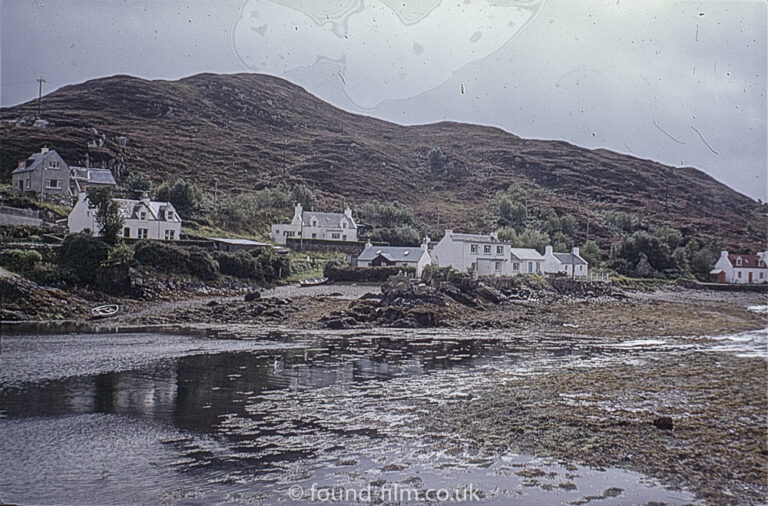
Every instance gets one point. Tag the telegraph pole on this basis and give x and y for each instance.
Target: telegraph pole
(39, 95)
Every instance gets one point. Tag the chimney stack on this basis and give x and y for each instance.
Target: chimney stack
(548, 250)
(44, 149)
(575, 251)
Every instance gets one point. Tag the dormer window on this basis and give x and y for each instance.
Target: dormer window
(314, 222)
(169, 215)
(142, 215)
(760, 262)
(738, 261)
(343, 224)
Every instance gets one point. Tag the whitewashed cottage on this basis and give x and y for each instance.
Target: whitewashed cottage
(571, 264)
(738, 268)
(142, 219)
(316, 226)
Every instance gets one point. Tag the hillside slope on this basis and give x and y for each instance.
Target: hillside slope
(248, 129)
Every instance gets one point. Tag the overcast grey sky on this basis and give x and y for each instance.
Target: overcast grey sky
(683, 83)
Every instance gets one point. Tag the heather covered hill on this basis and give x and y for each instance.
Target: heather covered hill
(251, 130)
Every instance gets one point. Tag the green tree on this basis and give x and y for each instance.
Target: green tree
(533, 238)
(136, 184)
(81, 255)
(304, 196)
(186, 197)
(590, 252)
(108, 217)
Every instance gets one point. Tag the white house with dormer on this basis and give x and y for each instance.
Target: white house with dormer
(571, 264)
(417, 257)
(316, 226)
(738, 268)
(484, 255)
(142, 219)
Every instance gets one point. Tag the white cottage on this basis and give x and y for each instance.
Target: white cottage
(317, 226)
(406, 256)
(736, 268)
(526, 261)
(142, 219)
(483, 254)
(571, 264)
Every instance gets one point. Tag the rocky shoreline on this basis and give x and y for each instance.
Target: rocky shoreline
(696, 421)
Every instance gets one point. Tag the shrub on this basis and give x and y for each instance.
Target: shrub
(272, 265)
(172, 259)
(239, 264)
(202, 265)
(20, 261)
(81, 255)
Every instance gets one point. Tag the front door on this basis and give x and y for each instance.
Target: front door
(750, 277)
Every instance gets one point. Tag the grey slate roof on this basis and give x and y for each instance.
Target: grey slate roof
(325, 220)
(569, 258)
(238, 242)
(128, 209)
(34, 161)
(526, 254)
(97, 176)
(392, 253)
(473, 238)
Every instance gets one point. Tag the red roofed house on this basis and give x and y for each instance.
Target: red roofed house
(735, 268)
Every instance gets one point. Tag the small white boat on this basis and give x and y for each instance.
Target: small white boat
(105, 310)
(313, 281)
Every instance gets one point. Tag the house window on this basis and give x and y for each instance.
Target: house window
(473, 249)
(487, 249)
(343, 237)
(530, 266)
(169, 235)
(143, 233)
(54, 165)
(498, 266)
(516, 266)
(53, 183)
(335, 235)
(499, 250)
(169, 215)
(127, 232)
(344, 225)
(314, 235)
(21, 184)
(761, 275)
(28, 183)
(143, 216)
(738, 262)
(738, 274)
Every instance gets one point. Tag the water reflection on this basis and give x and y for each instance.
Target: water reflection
(210, 419)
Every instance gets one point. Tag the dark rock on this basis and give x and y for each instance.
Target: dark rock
(663, 423)
(213, 303)
(251, 296)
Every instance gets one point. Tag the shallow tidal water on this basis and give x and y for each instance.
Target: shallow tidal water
(289, 417)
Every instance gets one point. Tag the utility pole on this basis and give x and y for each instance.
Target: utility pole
(39, 95)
